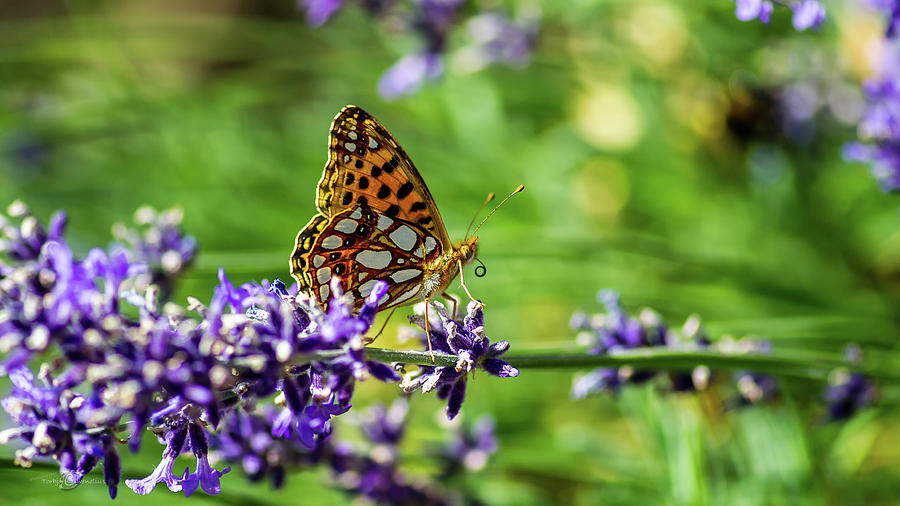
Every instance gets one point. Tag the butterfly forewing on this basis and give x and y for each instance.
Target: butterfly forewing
(377, 219)
(361, 246)
(366, 166)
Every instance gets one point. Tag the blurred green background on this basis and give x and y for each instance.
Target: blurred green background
(652, 139)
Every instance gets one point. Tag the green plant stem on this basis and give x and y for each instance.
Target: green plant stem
(795, 363)
(805, 365)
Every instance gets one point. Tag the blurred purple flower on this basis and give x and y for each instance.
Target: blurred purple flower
(748, 10)
(319, 11)
(408, 74)
(879, 129)
(755, 388)
(615, 331)
(498, 38)
(806, 13)
(847, 393)
(473, 349)
(160, 244)
(372, 470)
(891, 9)
(471, 447)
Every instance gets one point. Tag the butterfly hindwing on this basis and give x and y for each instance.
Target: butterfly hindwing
(366, 166)
(362, 245)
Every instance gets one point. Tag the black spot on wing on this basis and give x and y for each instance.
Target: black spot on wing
(405, 189)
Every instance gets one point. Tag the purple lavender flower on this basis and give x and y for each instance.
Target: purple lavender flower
(616, 331)
(468, 342)
(372, 471)
(175, 439)
(160, 244)
(54, 421)
(177, 375)
(204, 476)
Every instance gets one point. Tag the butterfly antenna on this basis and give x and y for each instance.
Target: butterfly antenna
(489, 198)
(517, 190)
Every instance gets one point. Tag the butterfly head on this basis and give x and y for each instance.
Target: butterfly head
(467, 249)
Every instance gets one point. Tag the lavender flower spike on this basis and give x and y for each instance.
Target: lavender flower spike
(468, 342)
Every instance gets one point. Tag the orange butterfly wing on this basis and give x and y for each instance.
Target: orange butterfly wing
(367, 166)
(378, 220)
(362, 246)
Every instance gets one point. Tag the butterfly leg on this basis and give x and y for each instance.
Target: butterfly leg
(462, 280)
(427, 331)
(455, 302)
(370, 340)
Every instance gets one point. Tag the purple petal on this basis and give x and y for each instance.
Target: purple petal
(383, 372)
(457, 395)
(499, 368)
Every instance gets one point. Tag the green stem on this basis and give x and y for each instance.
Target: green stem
(797, 364)
(793, 363)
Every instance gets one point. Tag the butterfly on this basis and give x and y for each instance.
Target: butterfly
(376, 221)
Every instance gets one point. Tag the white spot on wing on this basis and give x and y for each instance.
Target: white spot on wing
(346, 158)
(361, 276)
(352, 135)
(318, 260)
(400, 261)
(346, 226)
(430, 244)
(324, 292)
(408, 295)
(323, 274)
(374, 259)
(419, 252)
(384, 222)
(404, 237)
(373, 144)
(331, 242)
(366, 288)
(357, 213)
(405, 275)
(351, 147)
